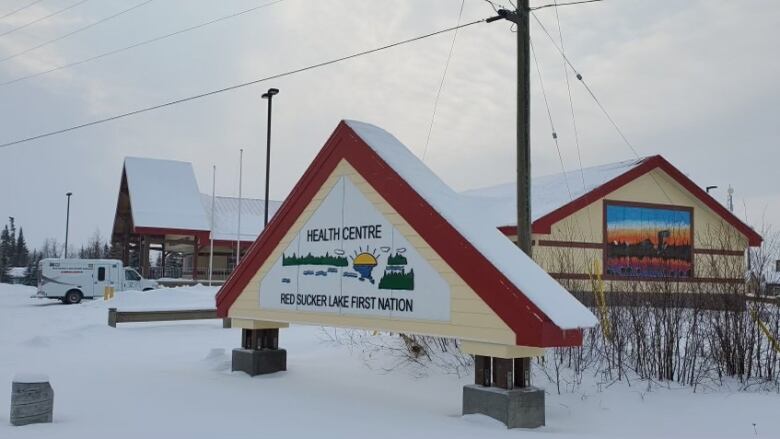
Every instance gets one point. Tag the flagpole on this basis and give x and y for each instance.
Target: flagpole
(238, 232)
(211, 235)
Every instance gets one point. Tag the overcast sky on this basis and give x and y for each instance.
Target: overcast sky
(695, 81)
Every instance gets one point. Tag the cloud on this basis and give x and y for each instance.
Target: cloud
(694, 82)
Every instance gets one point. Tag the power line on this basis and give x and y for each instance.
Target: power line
(142, 43)
(556, 5)
(599, 104)
(441, 84)
(585, 84)
(241, 85)
(549, 116)
(493, 5)
(573, 117)
(37, 20)
(81, 29)
(20, 9)
(571, 100)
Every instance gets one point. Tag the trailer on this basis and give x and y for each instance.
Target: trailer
(71, 280)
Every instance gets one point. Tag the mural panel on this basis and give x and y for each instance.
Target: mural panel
(648, 242)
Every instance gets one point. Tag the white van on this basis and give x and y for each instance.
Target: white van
(71, 280)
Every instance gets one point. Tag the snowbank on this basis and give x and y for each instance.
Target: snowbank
(173, 379)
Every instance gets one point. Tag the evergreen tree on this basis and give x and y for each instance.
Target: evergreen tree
(22, 253)
(10, 244)
(6, 245)
(31, 276)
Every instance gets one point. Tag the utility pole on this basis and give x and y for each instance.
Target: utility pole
(238, 231)
(516, 372)
(523, 127)
(211, 235)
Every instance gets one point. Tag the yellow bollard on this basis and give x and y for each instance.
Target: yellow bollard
(601, 301)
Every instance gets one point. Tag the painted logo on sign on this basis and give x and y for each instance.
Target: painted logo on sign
(349, 259)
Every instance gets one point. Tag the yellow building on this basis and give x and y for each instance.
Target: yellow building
(638, 225)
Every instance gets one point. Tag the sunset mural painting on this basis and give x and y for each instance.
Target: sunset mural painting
(648, 241)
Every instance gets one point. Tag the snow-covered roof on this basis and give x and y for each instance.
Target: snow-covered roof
(541, 289)
(164, 194)
(226, 216)
(548, 193)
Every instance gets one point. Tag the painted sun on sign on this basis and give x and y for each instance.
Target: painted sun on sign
(364, 261)
(349, 259)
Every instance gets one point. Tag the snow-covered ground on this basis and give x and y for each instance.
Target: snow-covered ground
(174, 380)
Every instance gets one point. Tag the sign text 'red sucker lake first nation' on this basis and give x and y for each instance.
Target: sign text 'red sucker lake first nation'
(349, 259)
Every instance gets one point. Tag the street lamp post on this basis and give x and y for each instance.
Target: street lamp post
(67, 223)
(268, 95)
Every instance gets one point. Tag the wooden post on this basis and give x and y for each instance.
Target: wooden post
(112, 317)
(195, 258)
(145, 255)
(126, 249)
(482, 370)
(269, 338)
(260, 339)
(522, 372)
(162, 258)
(503, 373)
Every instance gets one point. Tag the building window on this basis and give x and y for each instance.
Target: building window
(101, 274)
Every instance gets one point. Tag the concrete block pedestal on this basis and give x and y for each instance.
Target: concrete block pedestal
(259, 362)
(517, 408)
(32, 400)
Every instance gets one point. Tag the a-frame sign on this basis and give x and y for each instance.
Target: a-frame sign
(370, 238)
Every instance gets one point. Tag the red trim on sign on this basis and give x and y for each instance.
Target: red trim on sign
(531, 326)
(544, 224)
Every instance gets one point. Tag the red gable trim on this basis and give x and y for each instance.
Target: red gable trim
(531, 326)
(544, 224)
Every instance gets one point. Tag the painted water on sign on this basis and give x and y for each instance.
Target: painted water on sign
(646, 241)
(349, 259)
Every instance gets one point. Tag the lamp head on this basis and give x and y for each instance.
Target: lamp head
(270, 92)
(69, 194)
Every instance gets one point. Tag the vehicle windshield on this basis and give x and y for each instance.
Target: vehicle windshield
(131, 274)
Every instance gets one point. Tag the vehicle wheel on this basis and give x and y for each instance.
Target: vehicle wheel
(73, 297)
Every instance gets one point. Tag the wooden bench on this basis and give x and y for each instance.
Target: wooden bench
(115, 316)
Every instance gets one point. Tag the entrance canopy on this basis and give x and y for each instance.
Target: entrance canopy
(161, 208)
(371, 238)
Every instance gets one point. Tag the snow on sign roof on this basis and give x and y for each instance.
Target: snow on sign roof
(548, 192)
(164, 194)
(541, 289)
